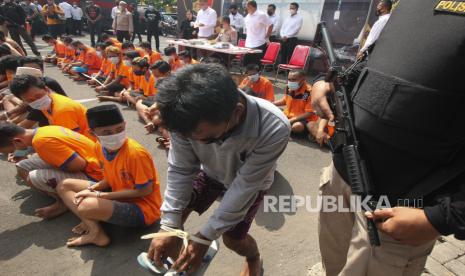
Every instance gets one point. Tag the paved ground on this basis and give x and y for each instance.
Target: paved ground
(288, 241)
(28, 245)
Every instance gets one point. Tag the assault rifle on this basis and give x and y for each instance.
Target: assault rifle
(345, 138)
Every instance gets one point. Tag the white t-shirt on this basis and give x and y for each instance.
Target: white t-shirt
(291, 26)
(208, 18)
(76, 13)
(376, 31)
(275, 20)
(113, 12)
(257, 26)
(66, 7)
(237, 21)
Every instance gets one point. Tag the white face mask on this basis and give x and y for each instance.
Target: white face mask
(293, 11)
(114, 60)
(113, 142)
(127, 62)
(42, 103)
(99, 54)
(254, 78)
(293, 85)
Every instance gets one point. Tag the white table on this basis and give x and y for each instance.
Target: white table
(203, 44)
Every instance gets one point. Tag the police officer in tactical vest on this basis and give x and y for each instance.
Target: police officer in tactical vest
(409, 111)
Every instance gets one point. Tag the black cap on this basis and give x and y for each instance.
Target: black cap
(104, 115)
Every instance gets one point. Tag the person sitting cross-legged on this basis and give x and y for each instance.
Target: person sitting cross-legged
(256, 85)
(119, 77)
(60, 154)
(152, 55)
(173, 59)
(146, 108)
(88, 62)
(105, 66)
(59, 49)
(54, 108)
(297, 101)
(145, 82)
(129, 194)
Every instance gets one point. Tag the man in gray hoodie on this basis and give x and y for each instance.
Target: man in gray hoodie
(224, 143)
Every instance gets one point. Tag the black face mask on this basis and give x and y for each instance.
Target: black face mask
(139, 72)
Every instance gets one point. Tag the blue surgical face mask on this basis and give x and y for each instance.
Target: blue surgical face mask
(254, 78)
(293, 85)
(42, 103)
(23, 152)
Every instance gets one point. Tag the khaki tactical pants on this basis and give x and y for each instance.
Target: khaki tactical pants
(345, 247)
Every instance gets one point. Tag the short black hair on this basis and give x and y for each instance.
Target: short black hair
(47, 38)
(102, 45)
(132, 54)
(170, 50)
(194, 94)
(185, 53)
(272, 6)
(9, 62)
(162, 66)
(252, 67)
(296, 5)
(21, 84)
(105, 36)
(226, 19)
(127, 44)
(387, 4)
(31, 59)
(300, 73)
(233, 7)
(4, 50)
(67, 39)
(252, 3)
(76, 43)
(8, 131)
(146, 45)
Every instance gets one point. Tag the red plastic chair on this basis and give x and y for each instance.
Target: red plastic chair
(236, 62)
(298, 60)
(271, 55)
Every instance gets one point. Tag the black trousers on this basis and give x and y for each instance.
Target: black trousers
(287, 48)
(255, 58)
(122, 35)
(95, 29)
(69, 26)
(55, 30)
(16, 32)
(156, 34)
(136, 33)
(77, 27)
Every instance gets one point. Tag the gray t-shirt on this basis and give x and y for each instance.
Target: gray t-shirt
(244, 163)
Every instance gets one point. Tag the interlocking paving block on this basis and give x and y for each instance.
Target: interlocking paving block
(434, 268)
(456, 267)
(445, 252)
(458, 243)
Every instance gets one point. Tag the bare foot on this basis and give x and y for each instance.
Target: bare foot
(99, 238)
(80, 229)
(51, 211)
(252, 267)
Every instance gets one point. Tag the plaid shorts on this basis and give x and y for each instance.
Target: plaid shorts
(207, 190)
(44, 176)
